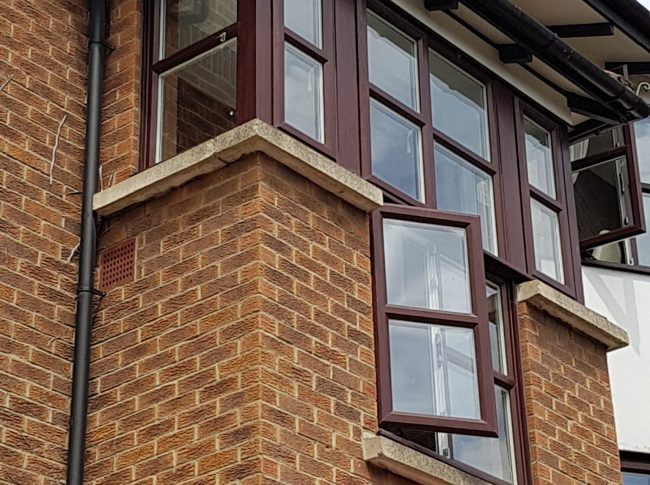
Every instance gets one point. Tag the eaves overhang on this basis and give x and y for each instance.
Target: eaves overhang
(567, 44)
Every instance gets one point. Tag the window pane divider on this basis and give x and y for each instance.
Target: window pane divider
(467, 155)
(462, 320)
(195, 50)
(546, 200)
(397, 106)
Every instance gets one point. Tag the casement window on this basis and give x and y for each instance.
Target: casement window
(190, 75)
(495, 459)
(432, 321)
(618, 188)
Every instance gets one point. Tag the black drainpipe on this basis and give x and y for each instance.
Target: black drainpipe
(98, 16)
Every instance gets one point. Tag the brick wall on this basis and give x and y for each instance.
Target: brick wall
(569, 406)
(121, 104)
(244, 347)
(42, 52)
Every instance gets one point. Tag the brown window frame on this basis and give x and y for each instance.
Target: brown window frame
(512, 382)
(563, 205)
(253, 31)
(635, 462)
(477, 321)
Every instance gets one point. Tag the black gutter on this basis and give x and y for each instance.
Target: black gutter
(547, 46)
(98, 15)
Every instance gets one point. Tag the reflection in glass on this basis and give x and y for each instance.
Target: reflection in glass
(395, 147)
(197, 100)
(188, 21)
(546, 241)
(392, 61)
(458, 105)
(643, 241)
(433, 370)
(642, 135)
(630, 478)
(303, 92)
(460, 187)
(426, 266)
(490, 455)
(304, 18)
(495, 317)
(539, 158)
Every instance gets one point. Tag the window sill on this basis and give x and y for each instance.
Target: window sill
(572, 313)
(409, 463)
(645, 270)
(214, 154)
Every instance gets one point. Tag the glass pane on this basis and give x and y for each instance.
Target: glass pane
(643, 241)
(602, 197)
(495, 317)
(197, 100)
(433, 370)
(458, 105)
(395, 146)
(188, 21)
(303, 92)
(642, 134)
(546, 241)
(539, 156)
(392, 61)
(635, 479)
(426, 266)
(618, 252)
(304, 18)
(493, 456)
(461, 187)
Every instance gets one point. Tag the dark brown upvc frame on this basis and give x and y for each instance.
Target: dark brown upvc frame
(487, 425)
(501, 278)
(325, 56)
(635, 462)
(628, 150)
(254, 86)
(562, 205)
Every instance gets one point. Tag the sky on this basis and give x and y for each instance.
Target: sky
(645, 3)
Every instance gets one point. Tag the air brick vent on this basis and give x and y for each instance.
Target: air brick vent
(117, 265)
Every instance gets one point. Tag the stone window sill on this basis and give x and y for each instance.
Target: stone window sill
(409, 463)
(573, 314)
(214, 154)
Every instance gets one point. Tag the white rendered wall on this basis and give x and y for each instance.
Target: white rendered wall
(624, 298)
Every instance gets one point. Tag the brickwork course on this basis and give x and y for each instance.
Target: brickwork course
(243, 349)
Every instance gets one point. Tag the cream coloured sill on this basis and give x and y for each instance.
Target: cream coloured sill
(409, 463)
(216, 153)
(572, 313)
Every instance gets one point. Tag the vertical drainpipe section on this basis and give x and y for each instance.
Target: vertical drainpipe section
(87, 244)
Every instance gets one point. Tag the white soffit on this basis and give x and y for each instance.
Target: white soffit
(514, 74)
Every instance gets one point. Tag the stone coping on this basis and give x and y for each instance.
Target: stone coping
(216, 153)
(409, 463)
(572, 313)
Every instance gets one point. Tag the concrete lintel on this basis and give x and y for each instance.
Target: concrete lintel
(572, 313)
(409, 463)
(216, 153)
